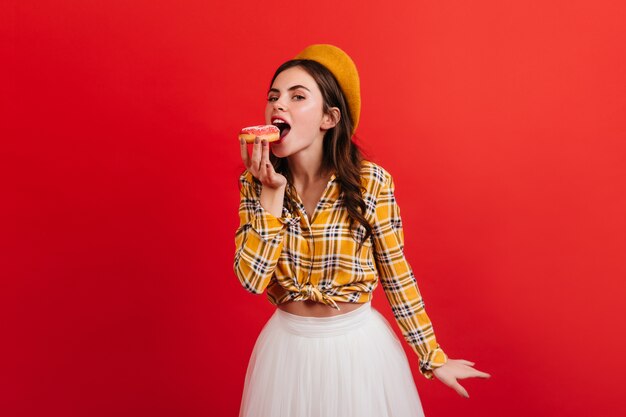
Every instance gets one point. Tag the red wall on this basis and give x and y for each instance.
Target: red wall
(502, 123)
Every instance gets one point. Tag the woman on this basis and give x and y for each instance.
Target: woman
(319, 225)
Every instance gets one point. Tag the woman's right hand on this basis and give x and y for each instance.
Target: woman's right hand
(260, 166)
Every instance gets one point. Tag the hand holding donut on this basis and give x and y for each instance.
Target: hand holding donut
(259, 164)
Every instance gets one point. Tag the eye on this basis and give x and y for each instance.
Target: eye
(298, 95)
(271, 99)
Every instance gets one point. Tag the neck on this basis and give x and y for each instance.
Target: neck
(306, 166)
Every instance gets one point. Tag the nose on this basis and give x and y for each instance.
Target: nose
(279, 106)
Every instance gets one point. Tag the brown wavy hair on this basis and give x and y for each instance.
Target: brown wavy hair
(340, 153)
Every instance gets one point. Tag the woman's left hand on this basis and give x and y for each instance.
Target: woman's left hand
(455, 369)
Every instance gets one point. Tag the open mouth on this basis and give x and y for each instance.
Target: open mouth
(283, 127)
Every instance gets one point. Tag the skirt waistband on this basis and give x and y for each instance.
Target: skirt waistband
(324, 326)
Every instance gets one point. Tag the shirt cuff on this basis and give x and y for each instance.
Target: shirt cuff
(434, 360)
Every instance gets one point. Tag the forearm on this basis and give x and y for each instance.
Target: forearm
(272, 200)
(256, 259)
(259, 239)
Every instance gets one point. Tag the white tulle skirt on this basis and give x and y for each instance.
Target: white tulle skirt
(350, 365)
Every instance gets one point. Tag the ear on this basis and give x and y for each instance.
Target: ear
(330, 119)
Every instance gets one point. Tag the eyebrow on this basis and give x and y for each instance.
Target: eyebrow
(289, 89)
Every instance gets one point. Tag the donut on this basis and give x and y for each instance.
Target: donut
(268, 132)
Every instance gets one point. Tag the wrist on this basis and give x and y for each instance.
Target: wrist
(272, 200)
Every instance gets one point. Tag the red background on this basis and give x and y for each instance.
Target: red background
(501, 122)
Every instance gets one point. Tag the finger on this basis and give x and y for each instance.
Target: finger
(269, 172)
(265, 152)
(270, 168)
(464, 362)
(462, 391)
(256, 155)
(481, 374)
(243, 147)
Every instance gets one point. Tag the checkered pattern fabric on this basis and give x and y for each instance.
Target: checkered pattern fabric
(315, 256)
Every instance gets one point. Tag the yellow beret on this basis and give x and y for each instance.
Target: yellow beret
(344, 70)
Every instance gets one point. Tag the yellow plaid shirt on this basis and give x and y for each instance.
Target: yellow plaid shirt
(294, 257)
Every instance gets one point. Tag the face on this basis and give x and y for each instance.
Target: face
(296, 99)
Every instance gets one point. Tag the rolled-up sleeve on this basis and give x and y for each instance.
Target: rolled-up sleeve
(258, 239)
(399, 283)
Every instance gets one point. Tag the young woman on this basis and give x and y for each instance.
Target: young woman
(319, 226)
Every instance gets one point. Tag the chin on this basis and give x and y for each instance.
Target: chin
(280, 153)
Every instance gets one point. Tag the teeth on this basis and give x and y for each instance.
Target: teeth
(278, 121)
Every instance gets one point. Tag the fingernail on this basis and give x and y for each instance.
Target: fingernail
(256, 140)
(242, 140)
(264, 142)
